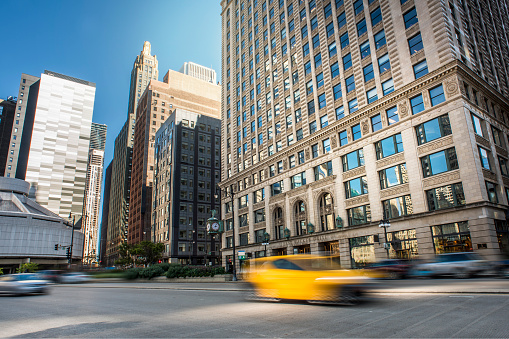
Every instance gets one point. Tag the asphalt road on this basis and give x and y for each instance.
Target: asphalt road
(402, 309)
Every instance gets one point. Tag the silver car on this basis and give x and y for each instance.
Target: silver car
(459, 265)
(23, 283)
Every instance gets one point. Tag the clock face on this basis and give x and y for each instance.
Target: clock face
(215, 226)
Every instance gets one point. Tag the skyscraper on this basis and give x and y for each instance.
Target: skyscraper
(144, 70)
(7, 113)
(51, 145)
(103, 234)
(118, 216)
(338, 114)
(158, 101)
(199, 72)
(90, 225)
(186, 172)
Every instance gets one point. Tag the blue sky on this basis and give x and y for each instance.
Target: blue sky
(98, 41)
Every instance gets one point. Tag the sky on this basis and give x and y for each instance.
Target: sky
(98, 41)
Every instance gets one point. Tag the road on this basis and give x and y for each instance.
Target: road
(401, 309)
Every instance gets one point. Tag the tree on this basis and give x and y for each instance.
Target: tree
(125, 259)
(148, 252)
(1, 271)
(30, 267)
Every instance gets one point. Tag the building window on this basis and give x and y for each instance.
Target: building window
(298, 180)
(347, 62)
(389, 146)
(337, 91)
(300, 218)
(439, 162)
(341, 20)
(498, 137)
(322, 171)
(362, 251)
(326, 212)
(358, 6)
(276, 188)
(352, 105)
(504, 168)
(324, 121)
(332, 49)
(376, 16)
(356, 187)
(450, 238)
(326, 145)
(243, 220)
(420, 69)
(433, 129)
(368, 73)
(312, 127)
(356, 132)
(415, 44)
(384, 63)
(359, 215)
(376, 123)
(334, 70)
(301, 158)
(479, 125)
(259, 215)
(372, 95)
(445, 197)
(397, 207)
(437, 95)
(417, 104)
(350, 84)
(343, 138)
(259, 195)
(330, 30)
(311, 107)
(485, 158)
(321, 101)
(380, 39)
(353, 160)
(410, 18)
(344, 40)
(365, 50)
(393, 176)
(388, 86)
(361, 27)
(392, 115)
(491, 189)
(314, 151)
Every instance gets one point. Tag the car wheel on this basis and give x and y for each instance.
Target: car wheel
(461, 274)
(393, 275)
(349, 296)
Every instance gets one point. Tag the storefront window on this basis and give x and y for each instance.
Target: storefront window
(450, 238)
(362, 250)
(403, 244)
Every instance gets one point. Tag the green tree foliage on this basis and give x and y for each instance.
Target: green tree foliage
(27, 267)
(125, 257)
(148, 252)
(1, 271)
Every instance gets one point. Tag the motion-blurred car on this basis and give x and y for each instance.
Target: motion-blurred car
(23, 283)
(459, 265)
(51, 275)
(391, 268)
(305, 277)
(74, 278)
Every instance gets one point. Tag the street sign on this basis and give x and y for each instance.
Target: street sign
(265, 243)
(242, 255)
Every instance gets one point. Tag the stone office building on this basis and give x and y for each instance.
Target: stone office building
(338, 114)
(186, 172)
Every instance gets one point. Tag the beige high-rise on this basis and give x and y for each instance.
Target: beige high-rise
(339, 114)
(145, 68)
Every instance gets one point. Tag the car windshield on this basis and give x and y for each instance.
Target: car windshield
(27, 277)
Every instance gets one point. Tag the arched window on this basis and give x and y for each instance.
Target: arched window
(279, 225)
(326, 212)
(300, 218)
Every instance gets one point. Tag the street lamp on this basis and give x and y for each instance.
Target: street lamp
(385, 223)
(230, 194)
(72, 235)
(191, 245)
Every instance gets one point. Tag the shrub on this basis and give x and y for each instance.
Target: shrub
(132, 273)
(179, 271)
(151, 272)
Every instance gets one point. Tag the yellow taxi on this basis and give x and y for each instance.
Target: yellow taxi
(311, 278)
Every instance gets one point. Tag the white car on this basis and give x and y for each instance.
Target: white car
(23, 283)
(459, 265)
(74, 278)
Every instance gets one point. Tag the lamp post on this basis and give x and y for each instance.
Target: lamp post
(191, 245)
(266, 238)
(385, 223)
(230, 194)
(72, 235)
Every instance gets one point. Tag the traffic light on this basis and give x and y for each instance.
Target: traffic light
(56, 247)
(68, 253)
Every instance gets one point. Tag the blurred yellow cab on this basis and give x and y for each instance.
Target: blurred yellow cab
(305, 277)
